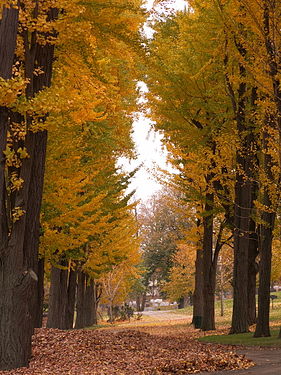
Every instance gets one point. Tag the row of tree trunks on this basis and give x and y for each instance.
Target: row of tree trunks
(70, 288)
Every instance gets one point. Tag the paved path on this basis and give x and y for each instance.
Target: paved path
(268, 362)
(162, 315)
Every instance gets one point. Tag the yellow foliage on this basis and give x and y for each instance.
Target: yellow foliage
(182, 273)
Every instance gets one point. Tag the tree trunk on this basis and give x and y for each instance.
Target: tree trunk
(71, 294)
(90, 304)
(38, 315)
(16, 323)
(142, 300)
(198, 290)
(8, 37)
(252, 274)
(262, 327)
(138, 302)
(266, 235)
(244, 202)
(253, 248)
(198, 284)
(41, 57)
(15, 281)
(18, 256)
(208, 321)
(57, 298)
(80, 317)
(241, 248)
(32, 231)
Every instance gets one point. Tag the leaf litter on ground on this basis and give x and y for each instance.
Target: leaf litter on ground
(125, 352)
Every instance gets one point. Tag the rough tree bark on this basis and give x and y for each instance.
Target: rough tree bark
(38, 57)
(252, 273)
(241, 247)
(71, 299)
(90, 305)
(86, 302)
(198, 290)
(208, 321)
(268, 216)
(266, 235)
(244, 247)
(62, 297)
(19, 261)
(198, 284)
(15, 279)
(80, 317)
(58, 298)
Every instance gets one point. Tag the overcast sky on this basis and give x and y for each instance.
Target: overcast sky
(149, 149)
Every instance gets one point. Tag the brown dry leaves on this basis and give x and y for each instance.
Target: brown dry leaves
(124, 352)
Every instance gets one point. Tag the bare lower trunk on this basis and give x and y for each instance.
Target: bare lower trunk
(252, 275)
(198, 290)
(266, 235)
(262, 327)
(80, 305)
(198, 285)
(38, 315)
(252, 263)
(16, 324)
(208, 321)
(244, 246)
(241, 246)
(90, 305)
(71, 298)
(57, 298)
(32, 232)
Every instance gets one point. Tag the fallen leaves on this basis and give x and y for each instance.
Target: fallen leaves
(124, 352)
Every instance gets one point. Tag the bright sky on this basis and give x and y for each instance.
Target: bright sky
(149, 150)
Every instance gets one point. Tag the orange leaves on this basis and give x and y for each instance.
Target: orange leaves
(181, 275)
(113, 352)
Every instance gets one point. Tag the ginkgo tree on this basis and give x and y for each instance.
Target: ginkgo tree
(187, 101)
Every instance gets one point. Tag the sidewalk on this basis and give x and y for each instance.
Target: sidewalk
(268, 362)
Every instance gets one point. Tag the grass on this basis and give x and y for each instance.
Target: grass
(245, 339)
(225, 320)
(97, 326)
